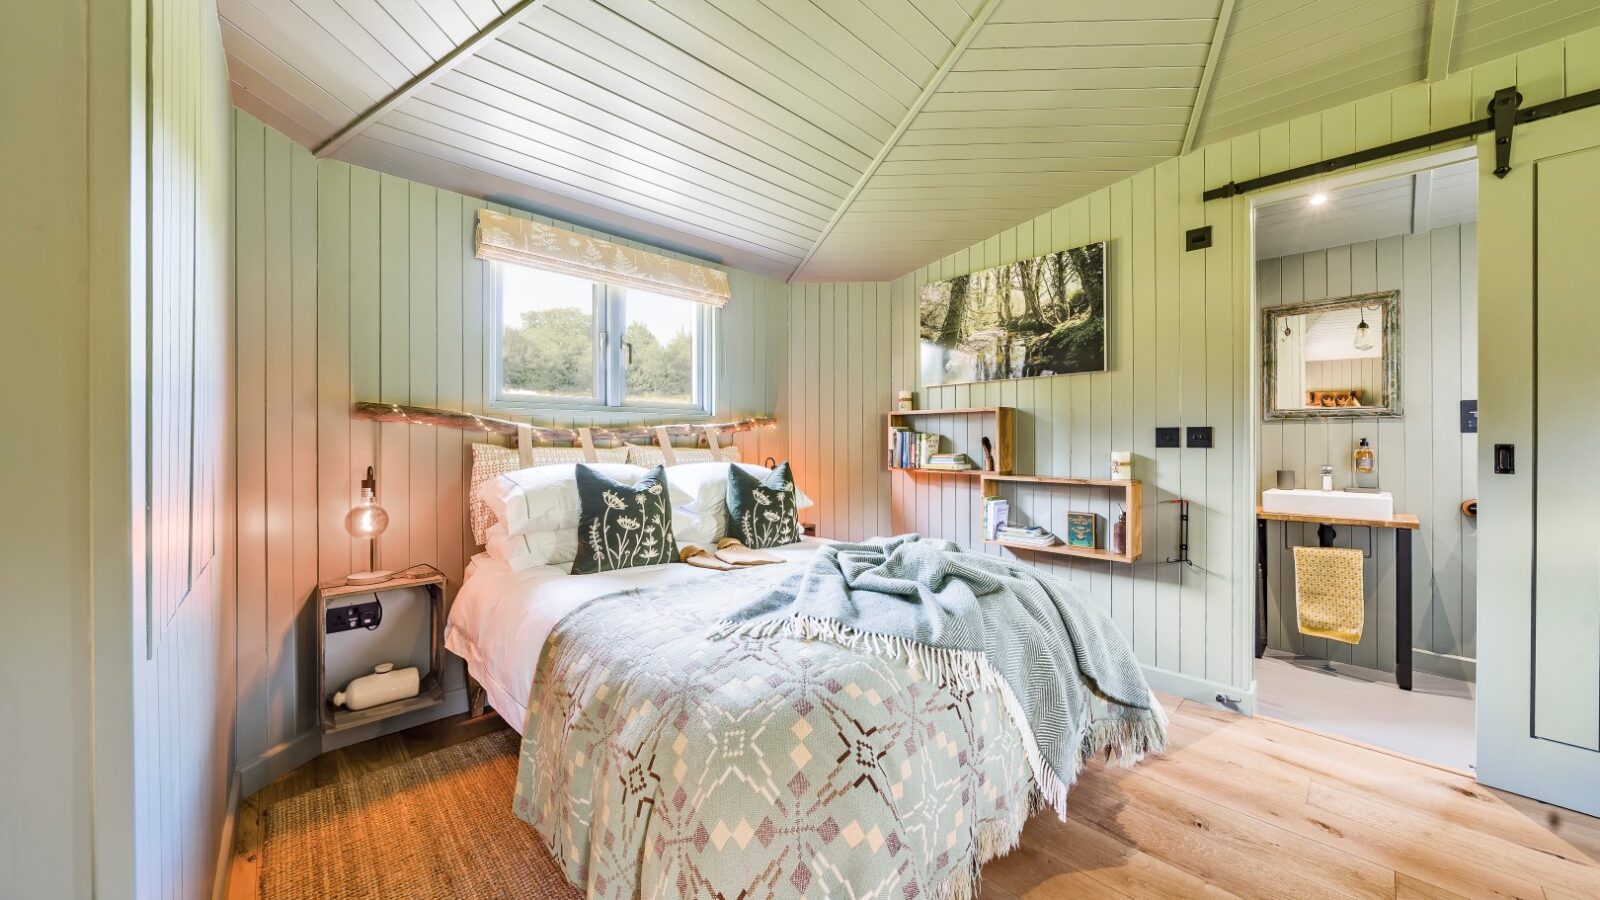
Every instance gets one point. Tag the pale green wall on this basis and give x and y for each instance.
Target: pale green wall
(1182, 341)
(354, 285)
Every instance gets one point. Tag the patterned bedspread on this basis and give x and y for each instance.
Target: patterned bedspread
(658, 763)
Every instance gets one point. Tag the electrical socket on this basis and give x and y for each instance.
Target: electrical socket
(353, 616)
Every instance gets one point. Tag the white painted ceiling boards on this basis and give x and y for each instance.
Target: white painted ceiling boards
(824, 139)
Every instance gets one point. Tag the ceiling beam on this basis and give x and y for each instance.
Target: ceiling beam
(1441, 34)
(928, 90)
(1219, 35)
(427, 76)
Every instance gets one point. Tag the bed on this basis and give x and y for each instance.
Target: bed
(659, 763)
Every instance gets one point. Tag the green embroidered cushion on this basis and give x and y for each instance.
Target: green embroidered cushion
(762, 513)
(621, 526)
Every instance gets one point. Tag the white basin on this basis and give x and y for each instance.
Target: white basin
(1332, 504)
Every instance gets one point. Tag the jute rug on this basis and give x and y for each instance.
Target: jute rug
(438, 826)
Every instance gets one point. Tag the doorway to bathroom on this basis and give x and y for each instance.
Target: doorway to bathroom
(1366, 292)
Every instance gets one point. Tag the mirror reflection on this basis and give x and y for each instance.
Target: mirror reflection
(1332, 358)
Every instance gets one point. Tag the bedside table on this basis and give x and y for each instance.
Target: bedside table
(335, 594)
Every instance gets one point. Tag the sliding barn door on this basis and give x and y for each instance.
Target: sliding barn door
(1539, 537)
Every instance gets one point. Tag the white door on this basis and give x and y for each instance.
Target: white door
(1539, 522)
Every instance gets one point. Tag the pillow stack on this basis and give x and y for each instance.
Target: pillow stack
(710, 485)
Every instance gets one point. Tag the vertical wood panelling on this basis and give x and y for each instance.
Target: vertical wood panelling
(1181, 335)
(355, 285)
(1420, 456)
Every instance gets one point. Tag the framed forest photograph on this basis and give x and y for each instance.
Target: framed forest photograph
(1040, 316)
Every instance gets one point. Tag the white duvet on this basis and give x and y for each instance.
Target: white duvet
(501, 618)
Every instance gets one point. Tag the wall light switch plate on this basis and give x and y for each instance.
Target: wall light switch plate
(1200, 437)
(1167, 437)
(1197, 238)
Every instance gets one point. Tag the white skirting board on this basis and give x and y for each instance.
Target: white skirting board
(1202, 691)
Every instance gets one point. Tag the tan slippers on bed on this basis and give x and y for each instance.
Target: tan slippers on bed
(732, 550)
(730, 555)
(700, 559)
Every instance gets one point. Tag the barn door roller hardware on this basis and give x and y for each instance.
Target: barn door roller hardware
(1505, 112)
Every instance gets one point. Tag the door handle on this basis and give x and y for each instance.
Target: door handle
(1505, 459)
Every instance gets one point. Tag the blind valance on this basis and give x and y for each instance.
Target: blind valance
(524, 242)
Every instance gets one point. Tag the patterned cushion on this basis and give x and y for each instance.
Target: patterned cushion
(621, 526)
(492, 460)
(763, 512)
(646, 455)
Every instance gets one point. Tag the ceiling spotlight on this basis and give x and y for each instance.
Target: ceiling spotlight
(1318, 199)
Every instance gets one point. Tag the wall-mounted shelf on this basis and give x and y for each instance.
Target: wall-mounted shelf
(1002, 433)
(1132, 502)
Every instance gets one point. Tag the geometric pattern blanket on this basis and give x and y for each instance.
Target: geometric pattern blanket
(1068, 678)
(659, 763)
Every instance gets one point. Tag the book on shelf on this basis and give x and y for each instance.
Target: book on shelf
(1032, 535)
(952, 462)
(995, 511)
(920, 450)
(1083, 530)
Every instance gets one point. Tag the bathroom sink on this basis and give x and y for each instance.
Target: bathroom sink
(1332, 504)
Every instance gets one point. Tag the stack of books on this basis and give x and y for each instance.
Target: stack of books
(1032, 535)
(995, 511)
(950, 462)
(914, 449)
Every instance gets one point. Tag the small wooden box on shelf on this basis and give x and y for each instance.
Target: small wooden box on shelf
(431, 691)
(1001, 433)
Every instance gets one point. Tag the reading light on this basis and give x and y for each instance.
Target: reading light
(1318, 199)
(365, 521)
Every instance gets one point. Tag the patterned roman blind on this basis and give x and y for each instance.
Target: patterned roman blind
(524, 242)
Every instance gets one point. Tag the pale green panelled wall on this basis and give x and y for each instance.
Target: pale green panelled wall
(353, 285)
(116, 687)
(1423, 458)
(1182, 345)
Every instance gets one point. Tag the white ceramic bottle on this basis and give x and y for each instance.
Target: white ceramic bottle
(386, 684)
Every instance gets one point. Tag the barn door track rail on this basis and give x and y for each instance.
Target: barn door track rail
(1504, 113)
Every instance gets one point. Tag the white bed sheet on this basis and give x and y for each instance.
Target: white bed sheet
(500, 618)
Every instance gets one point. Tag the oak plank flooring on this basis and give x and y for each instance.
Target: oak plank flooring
(1235, 808)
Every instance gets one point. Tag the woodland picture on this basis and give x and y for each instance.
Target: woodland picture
(1040, 316)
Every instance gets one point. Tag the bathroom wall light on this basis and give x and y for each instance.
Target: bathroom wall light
(1318, 199)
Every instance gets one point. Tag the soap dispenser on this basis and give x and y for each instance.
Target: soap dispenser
(1327, 478)
(1366, 468)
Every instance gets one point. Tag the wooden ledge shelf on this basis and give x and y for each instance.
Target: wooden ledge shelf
(1065, 550)
(1404, 521)
(956, 411)
(959, 473)
(1059, 479)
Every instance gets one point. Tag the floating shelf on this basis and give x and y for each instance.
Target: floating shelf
(959, 473)
(1003, 434)
(1064, 550)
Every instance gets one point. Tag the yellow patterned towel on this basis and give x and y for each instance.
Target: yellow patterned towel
(1330, 593)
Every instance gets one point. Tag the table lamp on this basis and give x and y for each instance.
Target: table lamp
(365, 521)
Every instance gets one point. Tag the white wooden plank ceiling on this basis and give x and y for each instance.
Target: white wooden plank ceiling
(1411, 204)
(823, 139)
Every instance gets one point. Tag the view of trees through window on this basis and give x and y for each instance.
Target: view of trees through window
(548, 341)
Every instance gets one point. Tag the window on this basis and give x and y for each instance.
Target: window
(568, 341)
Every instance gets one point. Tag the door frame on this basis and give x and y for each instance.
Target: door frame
(1509, 757)
(1383, 170)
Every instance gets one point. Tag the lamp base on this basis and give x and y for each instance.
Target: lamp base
(368, 577)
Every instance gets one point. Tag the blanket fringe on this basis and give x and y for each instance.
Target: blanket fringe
(1124, 740)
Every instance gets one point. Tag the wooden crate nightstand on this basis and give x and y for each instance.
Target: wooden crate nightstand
(429, 579)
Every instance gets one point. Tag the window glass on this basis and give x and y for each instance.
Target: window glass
(661, 349)
(548, 338)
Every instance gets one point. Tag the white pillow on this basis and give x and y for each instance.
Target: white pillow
(536, 548)
(491, 460)
(560, 546)
(706, 484)
(691, 527)
(545, 498)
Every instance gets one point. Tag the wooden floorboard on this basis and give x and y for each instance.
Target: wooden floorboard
(1235, 808)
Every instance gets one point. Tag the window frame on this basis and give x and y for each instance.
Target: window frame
(610, 376)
